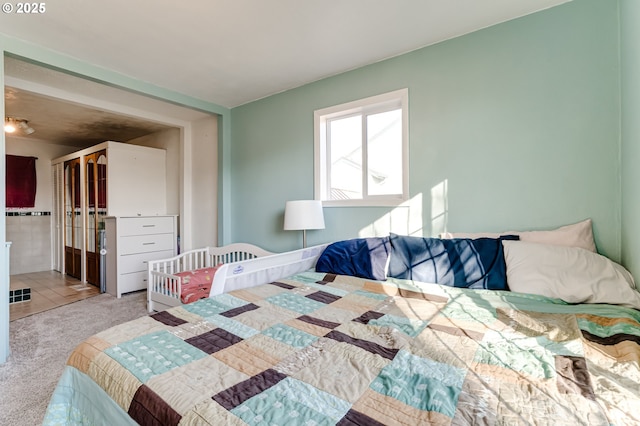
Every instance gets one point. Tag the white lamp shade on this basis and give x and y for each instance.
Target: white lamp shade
(303, 214)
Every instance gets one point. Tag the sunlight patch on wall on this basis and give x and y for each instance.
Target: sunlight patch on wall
(406, 219)
(439, 207)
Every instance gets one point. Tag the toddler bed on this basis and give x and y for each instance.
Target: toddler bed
(190, 275)
(323, 339)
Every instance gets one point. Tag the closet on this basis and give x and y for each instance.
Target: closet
(73, 218)
(96, 207)
(108, 179)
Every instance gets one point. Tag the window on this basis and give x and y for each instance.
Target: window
(361, 151)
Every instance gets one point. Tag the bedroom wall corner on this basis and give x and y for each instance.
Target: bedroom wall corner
(204, 180)
(630, 124)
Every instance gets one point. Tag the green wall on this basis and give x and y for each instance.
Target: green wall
(521, 120)
(630, 59)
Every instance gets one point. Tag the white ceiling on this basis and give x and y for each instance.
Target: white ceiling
(231, 52)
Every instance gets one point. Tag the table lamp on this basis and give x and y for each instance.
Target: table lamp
(303, 215)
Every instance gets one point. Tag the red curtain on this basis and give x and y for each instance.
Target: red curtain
(21, 181)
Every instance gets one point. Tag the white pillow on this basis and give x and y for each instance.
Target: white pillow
(572, 274)
(575, 235)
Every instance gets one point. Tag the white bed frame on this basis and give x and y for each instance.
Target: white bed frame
(244, 266)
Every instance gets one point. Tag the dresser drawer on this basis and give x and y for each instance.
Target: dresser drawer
(145, 225)
(132, 282)
(139, 262)
(146, 243)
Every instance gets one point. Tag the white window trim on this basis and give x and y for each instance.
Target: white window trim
(319, 140)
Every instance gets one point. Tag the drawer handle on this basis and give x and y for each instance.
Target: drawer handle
(148, 244)
(148, 226)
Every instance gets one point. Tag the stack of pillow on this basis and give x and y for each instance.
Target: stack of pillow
(560, 263)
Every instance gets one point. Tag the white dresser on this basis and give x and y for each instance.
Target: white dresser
(131, 243)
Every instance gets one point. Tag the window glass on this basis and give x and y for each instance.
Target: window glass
(361, 151)
(345, 136)
(384, 153)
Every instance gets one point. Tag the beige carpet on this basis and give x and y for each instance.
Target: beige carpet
(40, 345)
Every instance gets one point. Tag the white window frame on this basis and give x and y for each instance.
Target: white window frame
(397, 98)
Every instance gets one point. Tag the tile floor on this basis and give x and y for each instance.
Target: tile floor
(49, 289)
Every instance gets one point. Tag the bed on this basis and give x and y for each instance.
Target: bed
(168, 278)
(289, 343)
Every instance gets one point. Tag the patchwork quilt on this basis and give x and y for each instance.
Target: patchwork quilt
(322, 349)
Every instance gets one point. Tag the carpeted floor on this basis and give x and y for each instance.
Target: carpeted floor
(40, 345)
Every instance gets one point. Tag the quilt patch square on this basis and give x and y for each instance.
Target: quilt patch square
(573, 376)
(347, 371)
(307, 327)
(409, 326)
(295, 302)
(320, 323)
(421, 383)
(556, 327)
(368, 346)
(560, 409)
(308, 277)
(290, 336)
(368, 316)
(336, 291)
(390, 411)
(476, 402)
(323, 297)
(357, 303)
(413, 308)
(241, 310)
(214, 306)
(253, 359)
(232, 326)
(282, 285)
(267, 315)
(295, 403)
(147, 405)
(458, 309)
(234, 396)
(130, 330)
(214, 340)
(167, 319)
(195, 383)
(153, 354)
(456, 349)
(335, 315)
(534, 356)
(114, 378)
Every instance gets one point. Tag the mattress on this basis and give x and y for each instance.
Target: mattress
(324, 349)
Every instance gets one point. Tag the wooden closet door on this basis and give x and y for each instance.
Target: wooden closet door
(73, 219)
(96, 185)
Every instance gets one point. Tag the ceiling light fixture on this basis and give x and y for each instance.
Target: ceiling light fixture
(11, 125)
(25, 128)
